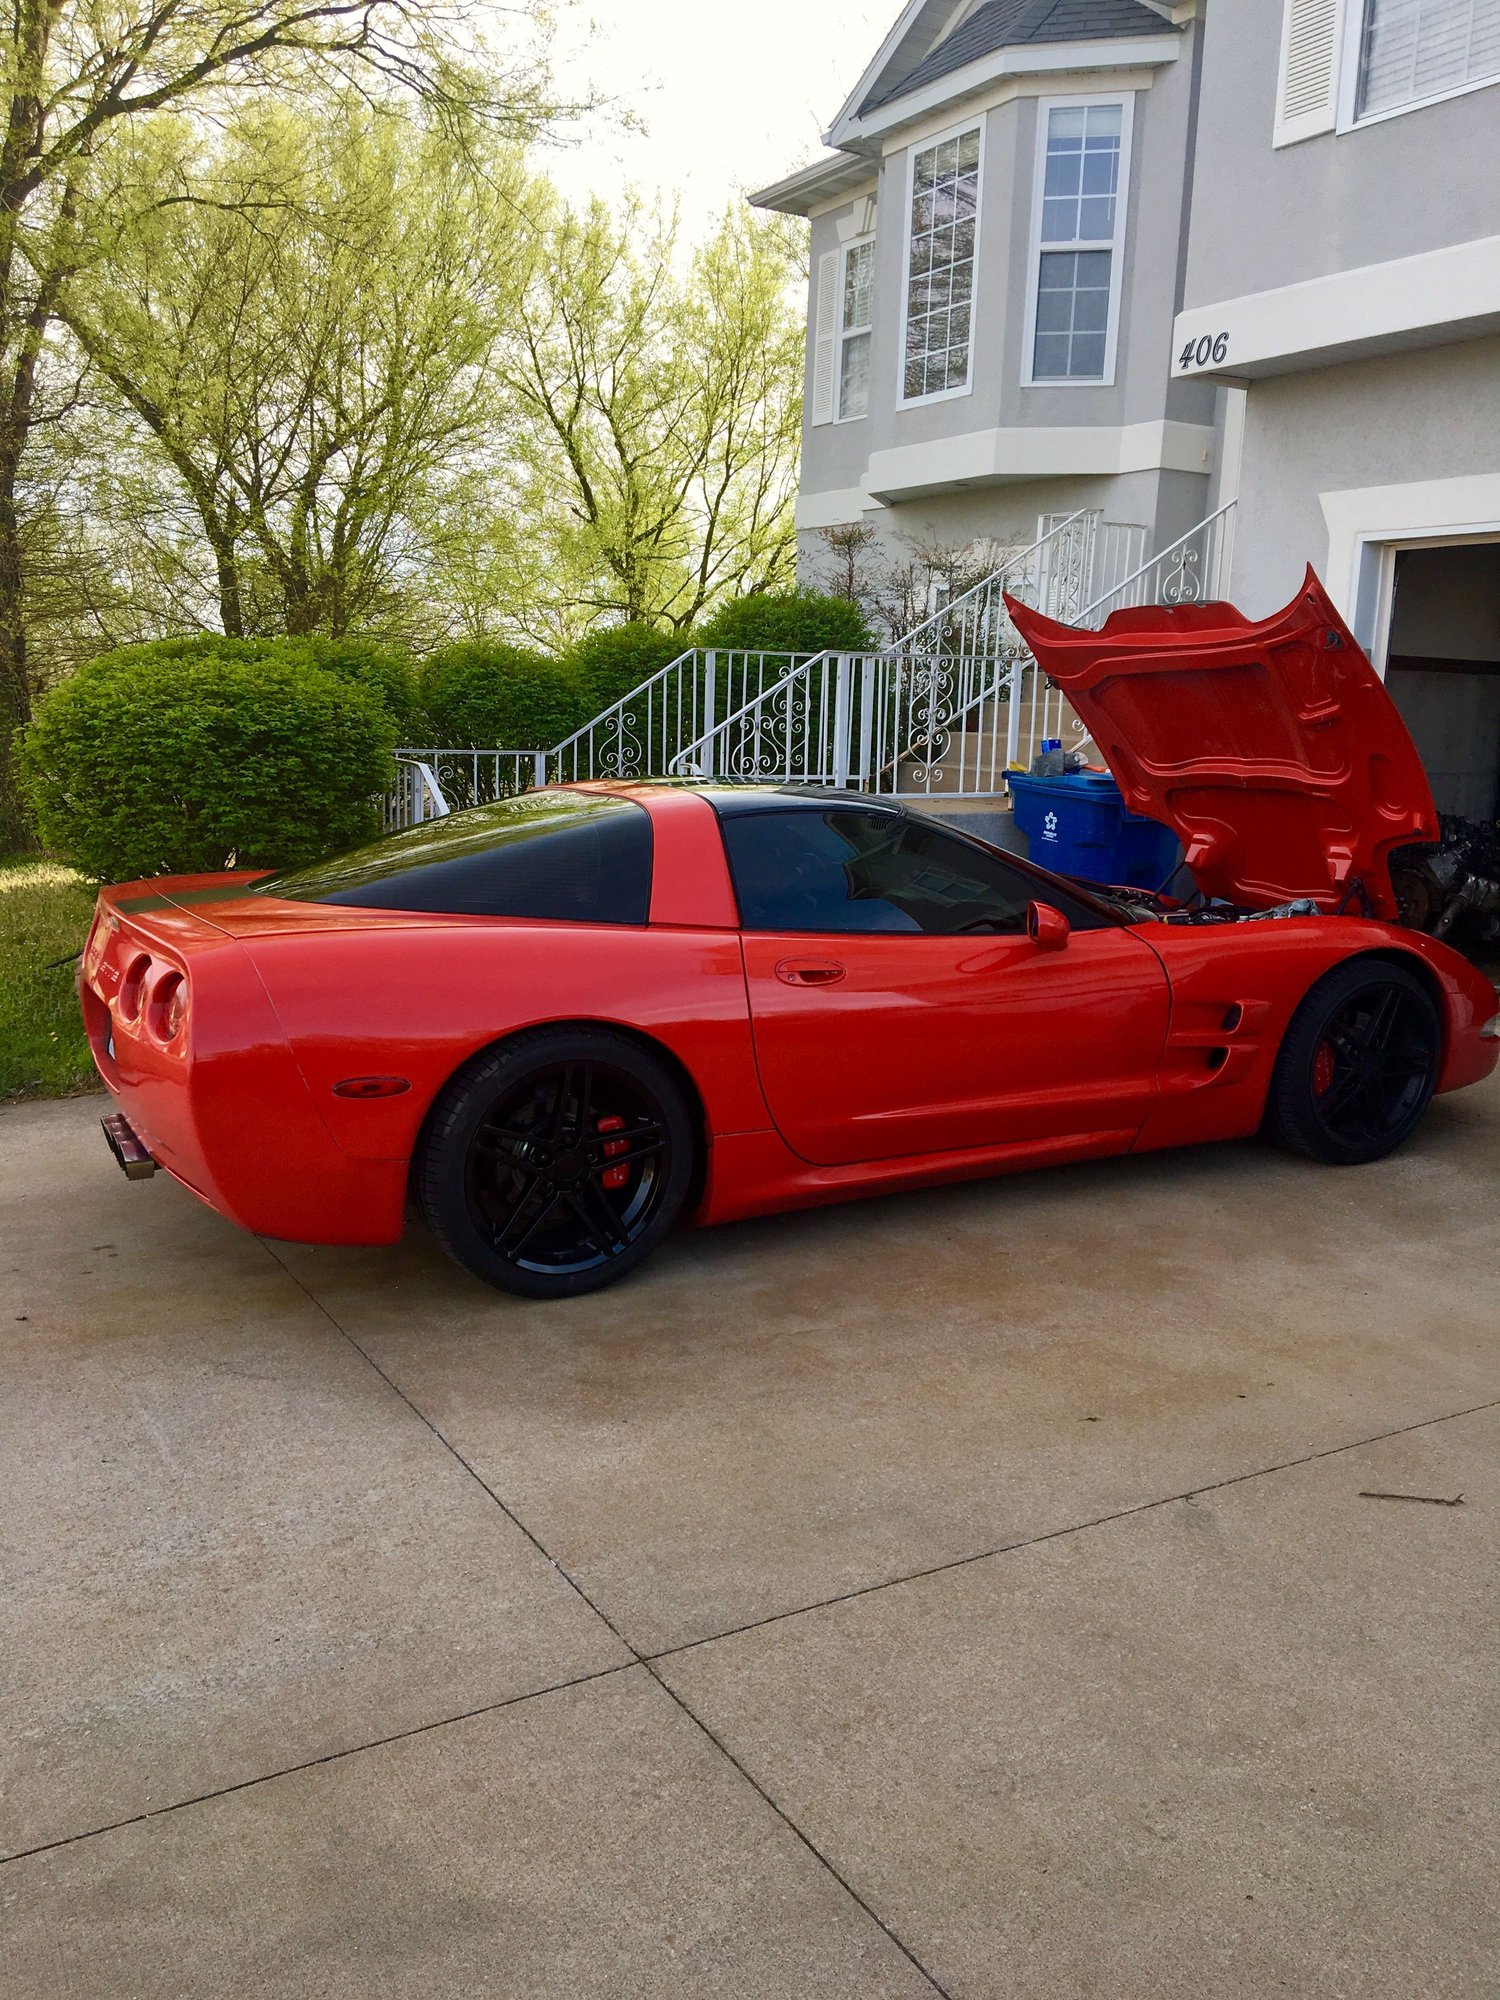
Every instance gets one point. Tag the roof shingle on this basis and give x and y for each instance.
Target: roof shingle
(1006, 23)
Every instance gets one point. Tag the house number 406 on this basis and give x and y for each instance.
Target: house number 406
(1207, 347)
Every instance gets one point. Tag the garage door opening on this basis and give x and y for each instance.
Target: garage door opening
(1443, 670)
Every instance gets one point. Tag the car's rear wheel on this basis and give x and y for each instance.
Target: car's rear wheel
(555, 1163)
(1358, 1066)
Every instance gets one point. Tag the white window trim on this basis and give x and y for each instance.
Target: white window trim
(1352, 29)
(1044, 108)
(903, 401)
(843, 333)
(1367, 525)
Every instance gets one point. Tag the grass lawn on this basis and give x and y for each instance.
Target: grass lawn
(44, 915)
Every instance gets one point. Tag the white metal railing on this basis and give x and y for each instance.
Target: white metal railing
(1192, 570)
(920, 716)
(640, 734)
(945, 709)
(433, 782)
(1054, 568)
(416, 795)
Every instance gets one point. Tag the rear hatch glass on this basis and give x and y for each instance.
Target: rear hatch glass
(571, 856)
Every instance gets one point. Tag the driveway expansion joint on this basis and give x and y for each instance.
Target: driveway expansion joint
(637, 1659)
(312, 1763)
(1189, 1495)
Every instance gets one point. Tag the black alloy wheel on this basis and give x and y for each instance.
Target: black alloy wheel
(553, 1165)
(1359, 1064)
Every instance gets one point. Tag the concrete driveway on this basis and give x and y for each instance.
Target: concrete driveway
(967, 1593)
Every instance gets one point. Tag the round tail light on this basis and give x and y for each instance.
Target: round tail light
(169, 1007)
(133, 986)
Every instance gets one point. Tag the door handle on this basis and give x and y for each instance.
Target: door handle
(810, 971)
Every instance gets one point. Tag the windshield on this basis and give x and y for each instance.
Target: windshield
(568, 856)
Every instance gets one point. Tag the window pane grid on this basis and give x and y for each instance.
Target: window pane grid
(1414, 49)
(1079, 210)
(940, 267)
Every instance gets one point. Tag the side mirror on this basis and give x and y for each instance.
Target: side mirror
(1048, 929)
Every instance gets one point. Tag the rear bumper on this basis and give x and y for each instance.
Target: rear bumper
(226, 1111)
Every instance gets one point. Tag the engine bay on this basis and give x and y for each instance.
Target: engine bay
(1143, 906)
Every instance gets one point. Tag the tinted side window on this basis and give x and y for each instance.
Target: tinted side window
(565, 855)
(848, 870)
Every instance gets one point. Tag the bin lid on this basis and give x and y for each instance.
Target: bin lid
(1272, 748)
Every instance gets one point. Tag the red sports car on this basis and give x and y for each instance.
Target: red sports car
(562, 1021)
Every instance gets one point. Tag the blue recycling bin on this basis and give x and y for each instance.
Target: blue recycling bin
(1078, 825)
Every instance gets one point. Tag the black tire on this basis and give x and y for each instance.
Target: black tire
(555, 1163)
(1358, 1065)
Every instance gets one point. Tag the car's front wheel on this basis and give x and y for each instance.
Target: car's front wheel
(555, 1163)
(1358, 1066)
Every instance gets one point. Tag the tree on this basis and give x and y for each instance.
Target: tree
(76, 75)
(662, 401)
(308, 344)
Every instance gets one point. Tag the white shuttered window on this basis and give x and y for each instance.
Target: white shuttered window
(1411, 50)
(1343, 61)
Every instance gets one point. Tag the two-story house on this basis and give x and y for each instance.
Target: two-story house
(998, 250)
(1159, 260)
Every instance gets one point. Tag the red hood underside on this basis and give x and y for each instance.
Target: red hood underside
(1272, 749)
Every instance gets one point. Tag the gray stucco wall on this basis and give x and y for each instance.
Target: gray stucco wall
(1167, 504)
(1431, 414)
(1265, 216)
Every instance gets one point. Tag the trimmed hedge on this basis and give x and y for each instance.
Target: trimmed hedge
(385, 672)
(612, 661)
(789, 621)
(149, 762)
(484, 694)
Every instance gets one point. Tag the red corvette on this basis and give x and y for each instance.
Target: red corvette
(563, 1020)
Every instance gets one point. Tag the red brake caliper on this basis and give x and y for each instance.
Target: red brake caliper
(614, 1177)
(1322, 1070)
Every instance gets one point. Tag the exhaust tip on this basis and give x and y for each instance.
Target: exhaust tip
(127, 1147)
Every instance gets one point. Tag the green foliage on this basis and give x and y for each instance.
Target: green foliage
(44, 916)
(143, 763)
(615, 659)
(789, 621)
(489, 695)
(655, 401)
(380, 670)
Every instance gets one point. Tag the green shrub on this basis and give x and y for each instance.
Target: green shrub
(484, 694)
(789, 621)
(381, 669)
(145, 763)
(615, 659)
(387, 673)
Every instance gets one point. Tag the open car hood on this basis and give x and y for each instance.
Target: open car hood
(1272, 749)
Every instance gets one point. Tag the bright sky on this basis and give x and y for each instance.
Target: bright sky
(733, 93)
